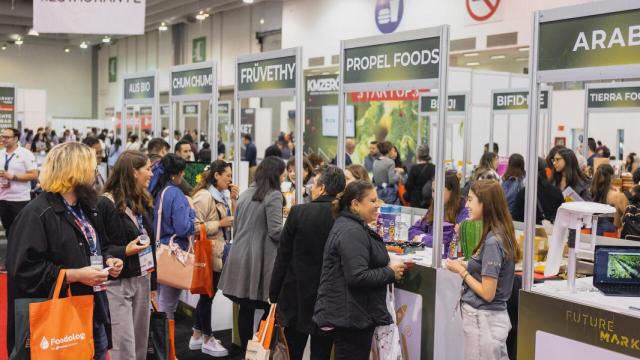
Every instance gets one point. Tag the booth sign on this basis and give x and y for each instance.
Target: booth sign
(621, 97)
(7, 107)
(269, 74)
(139, 88)
(192, 82)
(518, 100)
(456, 103)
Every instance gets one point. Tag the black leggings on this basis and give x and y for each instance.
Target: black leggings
(352, 344)
(246, 314)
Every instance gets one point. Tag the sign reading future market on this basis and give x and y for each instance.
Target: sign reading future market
(405, 60)
(455, 103)
(517, 100)
(268, 74)
(109, 17)
(139, 88)
(618, 97)
(192, 82)
(608, 39)
(7, 107)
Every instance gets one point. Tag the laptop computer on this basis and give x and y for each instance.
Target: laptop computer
(616, 270)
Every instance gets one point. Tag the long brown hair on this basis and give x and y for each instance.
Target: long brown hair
(122, 185)
(601, 183)
(452, 207)
(496, 217)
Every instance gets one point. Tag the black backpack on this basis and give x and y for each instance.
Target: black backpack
(631, 223)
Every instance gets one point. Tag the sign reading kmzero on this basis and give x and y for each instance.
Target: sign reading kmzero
(269, 74)
(407, 60)
(139, 88)
(612, 98)
(602, 40)
(517, 100)
(192, 82)
(455, 103)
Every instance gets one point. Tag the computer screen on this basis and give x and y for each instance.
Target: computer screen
(617, 265)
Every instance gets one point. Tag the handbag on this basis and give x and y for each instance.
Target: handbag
(62, 328)
(202, 278)
(386, 339)
(269, 342)
(175, 266)
(161, 336)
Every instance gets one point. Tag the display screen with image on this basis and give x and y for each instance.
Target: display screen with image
(623, 266)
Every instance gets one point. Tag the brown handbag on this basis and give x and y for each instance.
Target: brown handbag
(175, 266)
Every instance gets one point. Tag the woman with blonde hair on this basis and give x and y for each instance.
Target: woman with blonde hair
(61, 229)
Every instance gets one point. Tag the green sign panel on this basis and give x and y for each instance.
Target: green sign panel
(600, 40)
(7, 107)
(192, 82)
(113, 69)
(199, 50)
(614, 98)
(271, 74)
(407, 60)
(190, 109)
(139, 88)
(456, 103)
(224, 108)
(517, 100)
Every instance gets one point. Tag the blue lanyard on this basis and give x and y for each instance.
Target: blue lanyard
(141, 225)
(87, 228)
(7, 160)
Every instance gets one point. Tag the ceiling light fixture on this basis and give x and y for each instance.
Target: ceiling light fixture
(106, 39)
(471, 54)
(523, 49)
(163, 27)
(522, 59)
(84, 45)
(4, 47)
(202, 15)
(19, 41)
(262, 21)
(32, 32)
(497, 57)
(67, 50)
(473, 63)
(247, 1)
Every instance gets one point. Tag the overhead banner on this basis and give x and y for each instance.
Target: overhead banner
(517, 100)
(192, 82)
(270, 74)
(592, 41)
(139, 88)
(7, 107)
(456, 103)
(108, 17)
(406, 60)
(614, 98)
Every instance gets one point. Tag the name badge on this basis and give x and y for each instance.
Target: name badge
(146, 261)
(96, 262)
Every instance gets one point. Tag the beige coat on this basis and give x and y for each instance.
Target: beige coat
(209, 212)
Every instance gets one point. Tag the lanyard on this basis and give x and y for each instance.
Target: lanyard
(87, 228)
(141, 225)
(7, 160)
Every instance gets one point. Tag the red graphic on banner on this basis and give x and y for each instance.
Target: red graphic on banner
(490, 8)
(6, 107)
(393, 95)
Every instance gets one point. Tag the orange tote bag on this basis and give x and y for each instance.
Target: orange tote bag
(62, 328)
(202, 278)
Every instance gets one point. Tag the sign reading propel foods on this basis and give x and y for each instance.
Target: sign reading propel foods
(139, 88)
(623, 97)
(456, 103)
(592, 41)
(519, 100)
(192, 82)
(407, 60)
(270, 74)
(7, 107)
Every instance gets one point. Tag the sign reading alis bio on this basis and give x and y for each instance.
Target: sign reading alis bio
(139, 88)
(406, 60)
(510, 101)
(456, 103)
(620, 97)
(269, 74)
(592, 41)
(192, 82)
(111, 17)
(7, 107)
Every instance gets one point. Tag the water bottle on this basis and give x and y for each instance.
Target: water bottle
(402, 228)
(387, 223)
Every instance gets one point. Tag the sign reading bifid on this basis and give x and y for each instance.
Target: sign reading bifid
(113, 17)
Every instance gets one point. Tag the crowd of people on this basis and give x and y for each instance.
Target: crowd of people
(322, 261)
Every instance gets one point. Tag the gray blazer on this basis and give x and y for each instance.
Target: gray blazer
(247, 272)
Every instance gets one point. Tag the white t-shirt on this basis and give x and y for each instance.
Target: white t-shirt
(22, 161)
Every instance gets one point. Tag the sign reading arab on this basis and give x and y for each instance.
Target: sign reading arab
(139, 88)
(456, 103)
(192, 82)
(7, 107)
(593, 41)
(269, 74)
(517, 100)
(614, 98)
(108, 17)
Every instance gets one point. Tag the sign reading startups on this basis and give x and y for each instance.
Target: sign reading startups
(456, 103)
(192, 82)
(7, 107)
(270, 74)
(407, 60)
(139, 88)
(517, 100)
(110, 17)
(592, 41)
(620, 97)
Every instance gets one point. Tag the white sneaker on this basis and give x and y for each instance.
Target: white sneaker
(196, 344)
(214, 348)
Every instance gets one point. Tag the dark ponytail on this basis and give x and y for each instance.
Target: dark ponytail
(172, 165)
(356, 190)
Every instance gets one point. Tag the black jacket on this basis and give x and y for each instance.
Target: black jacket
(352, 292)
(122, 230)
(298, 265)
(550, 199)
(418, 176)
(45, 239)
